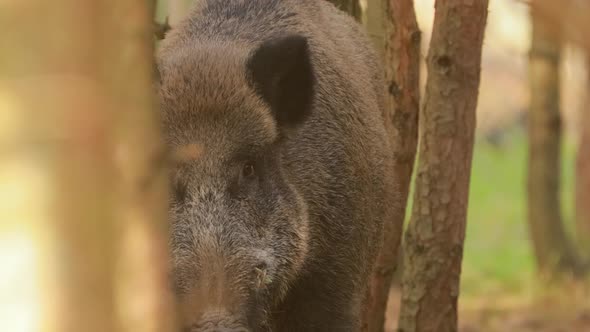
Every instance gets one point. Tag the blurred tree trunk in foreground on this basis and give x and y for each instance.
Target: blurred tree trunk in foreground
(433, 246)
(583, 172)
(553, 252)
(143, 273)
(352, 7)
(78, 136)
(402, 71)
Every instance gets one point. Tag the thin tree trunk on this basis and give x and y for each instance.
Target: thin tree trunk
(75, 74)
(143, 265)
(583, 173)
(352, 7)
(433, 247)
(49, 76)
(577, 25)
(177, 10)
(374, 20)
(402, 70)
(553, 252)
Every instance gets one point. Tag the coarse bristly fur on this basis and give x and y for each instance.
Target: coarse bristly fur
(277, 209)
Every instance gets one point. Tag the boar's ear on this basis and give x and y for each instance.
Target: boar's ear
(281, 71)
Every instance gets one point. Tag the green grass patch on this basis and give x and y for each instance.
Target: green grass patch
(498, 255)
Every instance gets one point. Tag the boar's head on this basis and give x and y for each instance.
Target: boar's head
(239, 228)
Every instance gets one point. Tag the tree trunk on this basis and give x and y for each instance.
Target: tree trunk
(352, 7)
(177, 10)
(577, 26)
(143, 200)
(433, 247)
(374, 20)
(554, 254)
(75, 94)
(402, 70)
(583, 173)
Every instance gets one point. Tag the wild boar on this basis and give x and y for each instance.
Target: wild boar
(277, 210)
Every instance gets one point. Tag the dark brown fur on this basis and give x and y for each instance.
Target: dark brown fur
(291, 250)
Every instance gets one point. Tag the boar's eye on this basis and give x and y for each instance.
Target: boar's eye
(247, 176)
(248, 170)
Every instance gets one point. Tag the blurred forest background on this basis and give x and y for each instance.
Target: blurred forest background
(498, 255)
(501, 286)
(500, 290)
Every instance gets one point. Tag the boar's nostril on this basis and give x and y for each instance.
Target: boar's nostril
(261, 276)
(209, 328)
(217, 321)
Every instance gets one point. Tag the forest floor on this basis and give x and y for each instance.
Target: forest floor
(506, 314)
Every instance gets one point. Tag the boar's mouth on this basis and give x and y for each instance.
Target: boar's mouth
(221, 300)
(224, 321)
(215, 328)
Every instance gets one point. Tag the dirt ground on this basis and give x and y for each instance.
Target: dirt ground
(512, 315)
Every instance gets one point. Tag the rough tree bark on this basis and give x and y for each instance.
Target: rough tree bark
(352, 7)
(553, 252)
(402, 70)
(79, 136)
(433, 246)
(583, 173)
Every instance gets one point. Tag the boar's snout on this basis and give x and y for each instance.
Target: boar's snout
(218, 321)
(226, 292)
